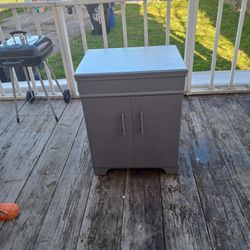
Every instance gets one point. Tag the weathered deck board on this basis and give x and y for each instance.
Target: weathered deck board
(16, 164)
(244, 101)
(184, 221)
(46, 167)
(63, 220)
(39, 188)
(228, 226)
(231, 147)
(102, 224)
(7, 113)
(142, 217)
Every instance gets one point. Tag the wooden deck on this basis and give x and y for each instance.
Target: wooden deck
(46, 168)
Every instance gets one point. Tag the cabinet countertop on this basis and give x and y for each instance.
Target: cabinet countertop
(133, 60)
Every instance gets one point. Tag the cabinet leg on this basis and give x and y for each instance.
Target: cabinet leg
(171, 170)
(100, 171)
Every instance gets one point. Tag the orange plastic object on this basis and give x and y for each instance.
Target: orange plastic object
(8, 211)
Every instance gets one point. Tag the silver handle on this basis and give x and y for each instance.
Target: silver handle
(123, 124)
(142, 123)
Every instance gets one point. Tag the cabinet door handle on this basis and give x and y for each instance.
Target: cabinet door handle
(142, 123)
(123, 124)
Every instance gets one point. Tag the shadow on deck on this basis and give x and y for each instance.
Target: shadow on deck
(46, 168)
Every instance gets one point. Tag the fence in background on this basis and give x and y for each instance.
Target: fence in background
(208, 82)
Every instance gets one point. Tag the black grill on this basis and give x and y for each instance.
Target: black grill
(23, 50)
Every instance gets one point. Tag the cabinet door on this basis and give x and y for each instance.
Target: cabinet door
(109, 129)
(156, 121)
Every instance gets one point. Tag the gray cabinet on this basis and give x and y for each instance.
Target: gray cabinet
(132, 111)
(109, 127)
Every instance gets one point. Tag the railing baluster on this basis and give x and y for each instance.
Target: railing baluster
(104, 30)
(2, 38)
(36, 20)
(124, 25)
(82, 28)
(216, 40)
(2, 89)
(237, 42)
(168, 22)
(193, 6)
(18, 24)
(145, 9)
(39, 32)
(33, 81)
(51, 84)
(63, 40)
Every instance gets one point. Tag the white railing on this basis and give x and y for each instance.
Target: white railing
(196, 82)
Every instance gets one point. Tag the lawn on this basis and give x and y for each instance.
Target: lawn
(5, 13)
(156, 15)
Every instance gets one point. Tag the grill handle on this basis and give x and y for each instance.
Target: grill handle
(18, 32)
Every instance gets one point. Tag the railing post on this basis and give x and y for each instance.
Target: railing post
(145, 17)
(82, 28)
(237, 42)
(2, 38)
(168, 15)
(63, 40)
(37, 23)
(216, 39)
(193, 6)
(124, 25)
(2, 89)
(18, 24)
(104, 30)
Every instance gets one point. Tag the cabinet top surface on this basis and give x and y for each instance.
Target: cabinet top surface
(115, 61)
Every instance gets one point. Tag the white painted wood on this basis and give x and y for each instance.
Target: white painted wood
(216, 40)
(104, 30)
(188, 33)
(221, 79)
(2, 38)
(51, 84)
(39, 32)
(124, 25)
(237, 42)
(190, 40)
(19, 27)
(79, 12)
(17, 20)
(33, 81)
(145, 18)
(65, 49)
(36, 21)
(168, 15)
(2, 89)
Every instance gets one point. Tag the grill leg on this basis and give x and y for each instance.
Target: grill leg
(14, 93)
(45, 92)
(54, 77)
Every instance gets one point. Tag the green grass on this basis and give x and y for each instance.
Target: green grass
(5, 13)
(157, 25)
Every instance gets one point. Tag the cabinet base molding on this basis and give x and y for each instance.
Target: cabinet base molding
(167, 170)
